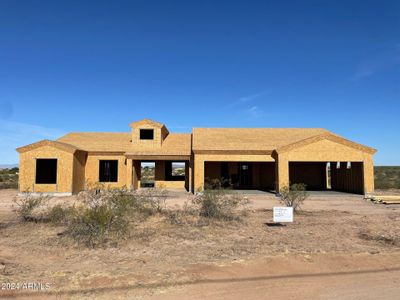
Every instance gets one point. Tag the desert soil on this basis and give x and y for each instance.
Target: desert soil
(339, 247)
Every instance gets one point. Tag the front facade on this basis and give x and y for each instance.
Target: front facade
(241, 158)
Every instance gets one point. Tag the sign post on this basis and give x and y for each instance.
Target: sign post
(283, 214)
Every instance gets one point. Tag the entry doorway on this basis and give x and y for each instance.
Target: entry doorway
(245, 178)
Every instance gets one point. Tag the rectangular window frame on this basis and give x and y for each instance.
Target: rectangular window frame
(144, 134)
(168, 171)
(108, 178)
(41, 179)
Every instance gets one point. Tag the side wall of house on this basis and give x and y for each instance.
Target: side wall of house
(27, 172)
(92, 169)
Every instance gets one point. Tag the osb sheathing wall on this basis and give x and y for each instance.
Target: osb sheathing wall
(27, 172)
(92, 169)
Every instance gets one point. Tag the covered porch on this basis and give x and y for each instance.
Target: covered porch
(167, 171)
(240, 175)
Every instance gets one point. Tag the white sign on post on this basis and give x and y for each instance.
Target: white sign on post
(283, 214)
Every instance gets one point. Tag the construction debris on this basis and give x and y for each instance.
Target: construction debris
(384, 199)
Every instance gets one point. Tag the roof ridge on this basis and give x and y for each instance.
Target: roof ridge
(75, 132)
(337, 138)
(319, 128)
(46, 142)
(147, 121)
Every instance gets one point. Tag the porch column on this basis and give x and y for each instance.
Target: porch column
(129, 171)
(198, 175)
(368, 170)
(281, 172)
(190, 172)
(135, 174)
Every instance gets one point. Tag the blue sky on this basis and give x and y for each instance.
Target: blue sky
(98, 65)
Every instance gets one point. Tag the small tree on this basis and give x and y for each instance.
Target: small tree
(294, 195)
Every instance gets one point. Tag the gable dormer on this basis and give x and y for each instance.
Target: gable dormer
(148, 133)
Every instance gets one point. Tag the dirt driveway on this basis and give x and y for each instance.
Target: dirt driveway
(339, 247)
(360, 276)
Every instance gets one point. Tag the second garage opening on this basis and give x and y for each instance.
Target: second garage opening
(321, 176)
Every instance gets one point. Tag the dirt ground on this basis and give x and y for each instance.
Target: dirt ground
(339, 247)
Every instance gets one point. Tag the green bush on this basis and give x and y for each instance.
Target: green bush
(220, 204)
(294, 196)
(96, 225)
(105, 214)
(61, 214)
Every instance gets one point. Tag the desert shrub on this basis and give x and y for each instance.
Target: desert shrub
(294, 196)
(96, 225)
(61, 214)
(383, 237)
(153, 199)
(31, 207)
(220, 204)
(185, 215)
(105, 214)
(121, 201)
(9, 185)
(102, 217)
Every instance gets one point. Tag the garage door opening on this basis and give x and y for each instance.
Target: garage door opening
(321, 176)
(312, 174)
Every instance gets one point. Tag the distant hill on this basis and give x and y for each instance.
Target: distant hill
(8, 166)
(387, 177)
